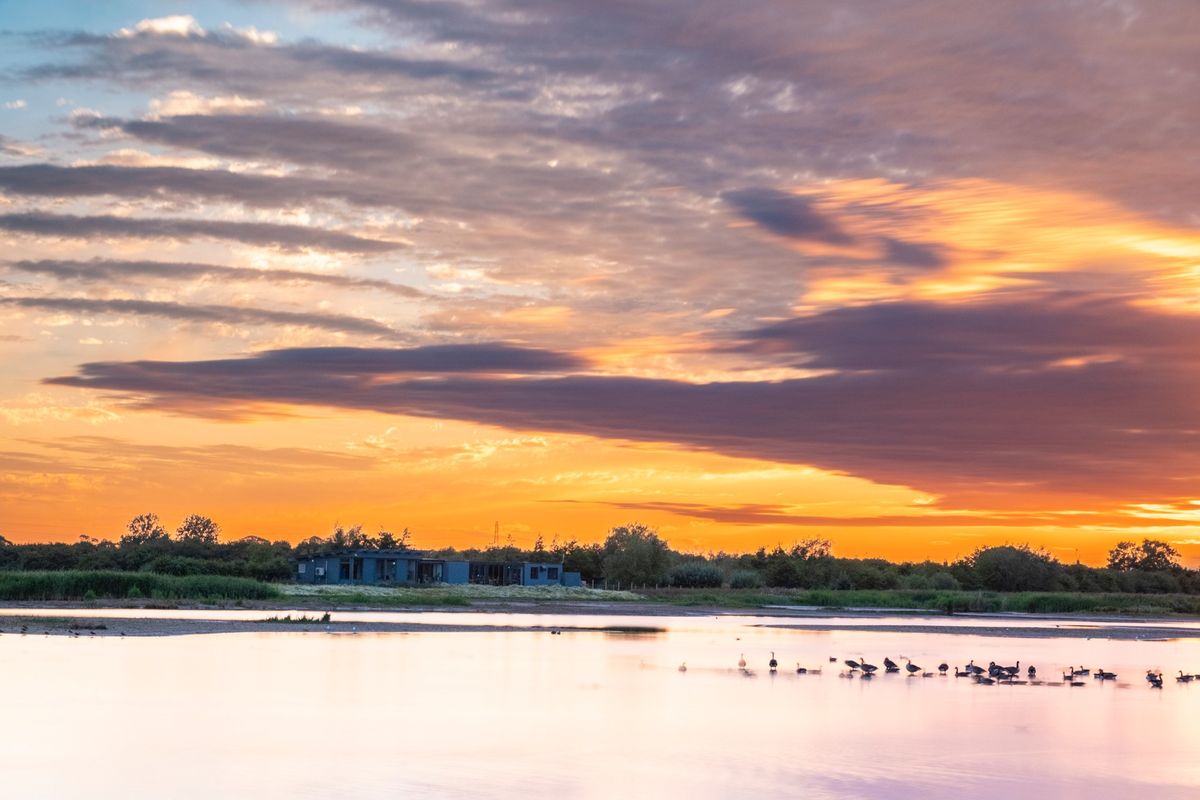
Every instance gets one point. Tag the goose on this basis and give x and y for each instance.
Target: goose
(943, 667)
(800, 670)
(890, 665)
(973, 669)
(742, 661)
(1105, 676)
(683, 667)
(833, 659)
(984, 680)
(1012, 670)
(1184, 678)
(865, 667)
(1031, 671)
(773, 664)
(1083, 672)
(962, 673)
(851, 663)
(911, 667)
(1155, 681)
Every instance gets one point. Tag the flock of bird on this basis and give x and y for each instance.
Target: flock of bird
(992, 674)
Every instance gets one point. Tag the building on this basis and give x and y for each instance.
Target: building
(413, 567)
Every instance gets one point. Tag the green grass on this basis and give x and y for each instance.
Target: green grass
(931, 600)
(395, 598)
(80, 585)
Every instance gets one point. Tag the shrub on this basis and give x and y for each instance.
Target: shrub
(782, 573)
(695, 575)
(78, 585)
(745, 579)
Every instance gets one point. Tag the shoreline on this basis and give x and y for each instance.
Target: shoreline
(84, 624)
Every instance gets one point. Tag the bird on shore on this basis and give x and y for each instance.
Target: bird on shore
(912, 668)
(773, 664)
(742, 661)
(889, 665)
(867, 668)
(943, 667)
(1031, 671)
(973, 669)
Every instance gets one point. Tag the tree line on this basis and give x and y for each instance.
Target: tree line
(632, 555)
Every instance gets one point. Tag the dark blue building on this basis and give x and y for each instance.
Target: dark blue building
(412, 566)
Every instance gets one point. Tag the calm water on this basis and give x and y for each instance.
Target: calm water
(585, 715)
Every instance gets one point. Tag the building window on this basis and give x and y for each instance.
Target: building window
(552, 573)
(303, 568)
(358, 562)
(344, 570)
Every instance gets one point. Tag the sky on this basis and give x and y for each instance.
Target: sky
(916, 277)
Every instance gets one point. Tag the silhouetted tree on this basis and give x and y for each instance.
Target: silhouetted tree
(144, 529)
(634, 554)
(197, 530)
(1151, 555)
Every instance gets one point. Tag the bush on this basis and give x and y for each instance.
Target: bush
(77, 585)
(782, 573)
(695, 575)
(943, 582)
(745, 579)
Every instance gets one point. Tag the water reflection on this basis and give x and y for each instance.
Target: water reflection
(588, 715)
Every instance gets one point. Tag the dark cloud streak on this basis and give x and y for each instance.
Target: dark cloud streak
(288, 237)
(228, 315)
(113, 271)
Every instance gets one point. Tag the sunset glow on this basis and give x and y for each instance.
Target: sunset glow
(558, 266)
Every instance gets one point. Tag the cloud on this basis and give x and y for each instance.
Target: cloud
(911, 254)
(775, 514)
(178, 25)
(264, 234)
(49, 180)
(242, 61)
(1051, 331)
(12, 147)
(228, 315)
(15, 105)
(118, 272)
(974, 432)
(259, 137)
(786, 215)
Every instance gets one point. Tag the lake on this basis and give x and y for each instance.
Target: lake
(588, 714)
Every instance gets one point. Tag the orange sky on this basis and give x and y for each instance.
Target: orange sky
(750, 283)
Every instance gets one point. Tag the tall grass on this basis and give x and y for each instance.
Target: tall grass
(78, 585)
(947, 601)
